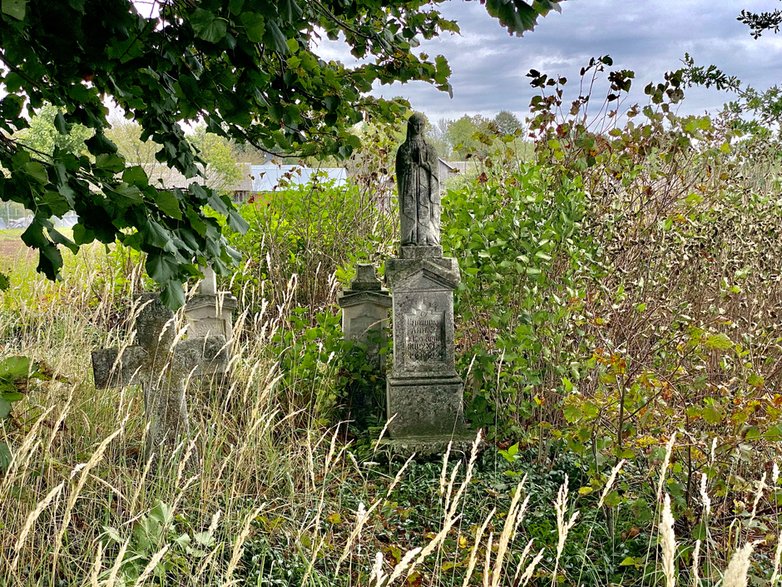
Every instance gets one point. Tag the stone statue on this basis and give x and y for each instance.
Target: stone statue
(419, 186)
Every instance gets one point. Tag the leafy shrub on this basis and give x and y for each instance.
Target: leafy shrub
(307, 233)
(525, 264)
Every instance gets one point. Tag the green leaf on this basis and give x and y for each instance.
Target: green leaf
(60, 124)
(5, 457)
(161, 267)
(15, 368)
(237, 222)
(37, 172)
(278, 38)
(255, 26)
(135, 175)
(5, 408)
(162, 513)
(98, 144)
(11, 396)
(752, 433)
(15, 8)
(110, 162)
(168, 203)
(774, 433)
(208, 26)
(172, 295)
(127, 192)
(4, 283)
(712, 413)
(572, 413)
(11, 106)
(155, 234)
(719, 341)
(82, 235)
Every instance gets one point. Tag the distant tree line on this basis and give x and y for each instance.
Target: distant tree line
(476, 136)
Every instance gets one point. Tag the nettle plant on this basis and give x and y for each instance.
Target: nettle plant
(682, 326)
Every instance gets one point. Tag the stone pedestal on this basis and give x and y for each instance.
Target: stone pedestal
(365, 311)
(364, 318)
(209, 314)
(424, 392)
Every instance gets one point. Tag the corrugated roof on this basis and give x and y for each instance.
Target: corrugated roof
(267, 178)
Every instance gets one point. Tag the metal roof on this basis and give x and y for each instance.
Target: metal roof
(267, 178)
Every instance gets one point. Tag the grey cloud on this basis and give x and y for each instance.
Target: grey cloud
(489, 66)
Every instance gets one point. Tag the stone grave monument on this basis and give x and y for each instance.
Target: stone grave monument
(424, 393)
(365, 311)
(365, 307)
(162, 371)
(209, 313)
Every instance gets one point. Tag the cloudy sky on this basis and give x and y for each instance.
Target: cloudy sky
(647, 36)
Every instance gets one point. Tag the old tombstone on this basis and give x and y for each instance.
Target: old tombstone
(365, 311)
(162, 368)
(365, 307)
(424, 393)
(209, 313)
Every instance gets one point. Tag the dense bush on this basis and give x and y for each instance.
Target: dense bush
(526, 264)
(307, 233)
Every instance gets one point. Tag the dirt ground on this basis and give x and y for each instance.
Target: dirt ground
(11, 247)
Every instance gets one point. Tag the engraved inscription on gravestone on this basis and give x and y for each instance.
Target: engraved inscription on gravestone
(425, 337)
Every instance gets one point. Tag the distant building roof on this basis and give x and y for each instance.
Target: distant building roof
(448, 166)
(254, 178)
(267, 178)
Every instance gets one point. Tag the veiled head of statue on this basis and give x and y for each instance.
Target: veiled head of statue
(416, 124)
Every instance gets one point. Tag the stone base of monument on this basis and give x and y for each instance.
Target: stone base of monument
(424, 394)
(429, 406)
(432, 417)
(427, 447)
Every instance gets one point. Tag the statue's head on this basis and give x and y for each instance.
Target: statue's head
(416, 124)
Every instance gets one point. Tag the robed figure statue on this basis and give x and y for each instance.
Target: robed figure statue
(419, 186)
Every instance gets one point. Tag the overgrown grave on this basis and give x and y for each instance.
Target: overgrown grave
(365, 306)
(424, 394)
(163, 368)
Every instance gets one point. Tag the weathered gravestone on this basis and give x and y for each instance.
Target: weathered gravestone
(209, 313)
(364, 316)
(161, 368)
(424, 392)
(365, 311)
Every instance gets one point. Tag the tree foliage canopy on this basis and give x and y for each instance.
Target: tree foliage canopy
(247, 69)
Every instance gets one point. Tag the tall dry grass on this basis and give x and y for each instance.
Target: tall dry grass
(79, 495)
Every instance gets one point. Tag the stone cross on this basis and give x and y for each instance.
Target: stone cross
(208, 285)
(161, 369)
